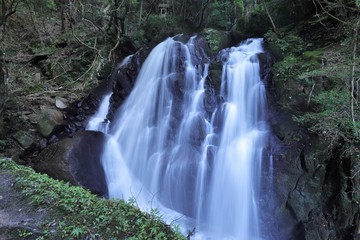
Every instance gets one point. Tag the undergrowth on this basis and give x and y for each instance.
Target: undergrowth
(83, 215)
(314, 85)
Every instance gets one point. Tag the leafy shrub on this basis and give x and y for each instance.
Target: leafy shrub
(287, 44)
(158, 26)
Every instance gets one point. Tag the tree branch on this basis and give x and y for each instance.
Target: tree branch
(352, 91)
(310, 94)
(81, 42)
(329, 14)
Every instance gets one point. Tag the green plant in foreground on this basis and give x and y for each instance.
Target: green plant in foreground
(82, 215)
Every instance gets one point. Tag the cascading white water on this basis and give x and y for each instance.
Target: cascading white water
(160, 139)
(232, 203)
(98, 122)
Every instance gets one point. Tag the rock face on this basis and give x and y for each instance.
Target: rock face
(77, 114)
(123, 79)
(120, 81)
(315, 188)
(314, 194)
(76, 160)
(310, 191)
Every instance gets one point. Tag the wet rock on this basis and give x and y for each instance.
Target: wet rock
(209, 101)
(123, 78)
(266, 61)
(197, 129)
(76, 160)
(48, 120)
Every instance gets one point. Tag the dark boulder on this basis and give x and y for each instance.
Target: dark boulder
(76, 160)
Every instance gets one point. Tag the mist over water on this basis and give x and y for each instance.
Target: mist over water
(168, 152)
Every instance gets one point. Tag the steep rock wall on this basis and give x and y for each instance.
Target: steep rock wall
(315, 186)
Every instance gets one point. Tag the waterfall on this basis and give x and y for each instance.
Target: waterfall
(98, 122)
(166, 151)
(234, 182)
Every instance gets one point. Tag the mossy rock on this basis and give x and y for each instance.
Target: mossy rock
(214, 79)
(48, 120)
(23, 138)
(216, 39)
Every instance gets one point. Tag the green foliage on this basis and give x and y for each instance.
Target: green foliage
(157, 26)
(287, 68)
(287, 43)
(40, 48)
(314, 86)
(214, 39)
(24, 233)
(44, 4)
(84, 215)
(295, 62)
(224, 14)
(333, 119)
(298, 68)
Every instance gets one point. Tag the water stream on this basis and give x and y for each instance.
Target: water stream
(167, 152)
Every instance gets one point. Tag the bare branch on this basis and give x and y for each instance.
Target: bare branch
(113, 49)
(317, 14)
(329, 14)
(310, 94)
(81, 42)
(269, 16)
(91, 66)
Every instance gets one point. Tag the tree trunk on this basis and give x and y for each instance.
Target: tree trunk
(7, 9)
(204, 6)
(141, 10)
(353, 96)
(269, 16)
(3, 83)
